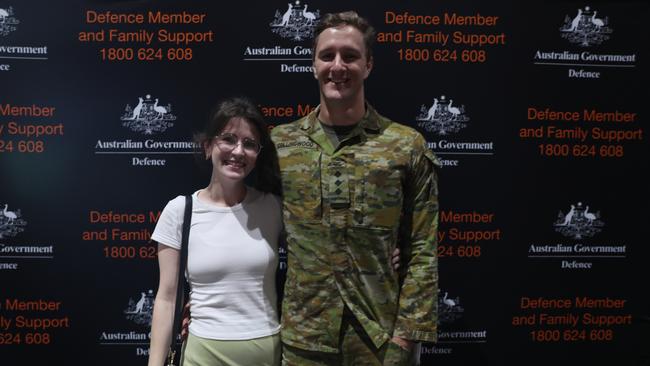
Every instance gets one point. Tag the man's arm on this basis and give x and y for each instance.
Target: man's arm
(418, 314)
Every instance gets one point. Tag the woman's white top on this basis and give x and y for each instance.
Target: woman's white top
(232, 260)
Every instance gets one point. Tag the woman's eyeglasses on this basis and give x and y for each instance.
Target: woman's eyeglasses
(229, 141)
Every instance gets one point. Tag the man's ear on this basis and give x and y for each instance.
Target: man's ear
(369, 66)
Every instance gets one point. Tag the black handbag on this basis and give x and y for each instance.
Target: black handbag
(180, 290)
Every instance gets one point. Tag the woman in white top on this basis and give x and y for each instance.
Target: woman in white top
(232, 252)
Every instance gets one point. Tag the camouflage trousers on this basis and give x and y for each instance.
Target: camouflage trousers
(355, 349)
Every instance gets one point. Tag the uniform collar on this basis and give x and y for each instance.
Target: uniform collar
(371, 124)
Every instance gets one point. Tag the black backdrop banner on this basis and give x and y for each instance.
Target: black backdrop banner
(535, 109)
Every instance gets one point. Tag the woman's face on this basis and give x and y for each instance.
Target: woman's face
(233, 151)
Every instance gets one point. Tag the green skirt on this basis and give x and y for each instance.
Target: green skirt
(265, 351)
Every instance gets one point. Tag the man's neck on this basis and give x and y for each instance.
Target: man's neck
(337, 113)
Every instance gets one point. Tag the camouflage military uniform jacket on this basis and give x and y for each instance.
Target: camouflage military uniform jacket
(345, 210)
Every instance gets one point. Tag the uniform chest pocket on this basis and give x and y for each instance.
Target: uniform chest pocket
(379, 197)
(301, 185)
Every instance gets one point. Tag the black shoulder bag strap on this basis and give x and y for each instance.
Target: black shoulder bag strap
(180, 290)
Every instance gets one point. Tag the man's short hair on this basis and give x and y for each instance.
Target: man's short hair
(351, 18)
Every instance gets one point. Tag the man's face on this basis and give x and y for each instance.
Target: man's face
(340, 63)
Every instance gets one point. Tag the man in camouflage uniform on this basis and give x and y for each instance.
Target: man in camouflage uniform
(356, 186)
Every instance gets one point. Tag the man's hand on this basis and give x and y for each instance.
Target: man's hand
(403, 343)
(406, 344)
(395, 259)
(185, 323)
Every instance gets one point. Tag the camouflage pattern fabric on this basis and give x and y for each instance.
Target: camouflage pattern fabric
(356, 350)
(345, 210)
(390, 354)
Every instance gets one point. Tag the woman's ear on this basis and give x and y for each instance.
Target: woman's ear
(207, 149)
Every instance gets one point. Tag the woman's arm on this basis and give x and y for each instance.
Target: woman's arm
(163, 309)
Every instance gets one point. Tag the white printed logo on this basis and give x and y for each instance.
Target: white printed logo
(7, 21)
(147, 116)
(449, 310)
(579, 222)
(11, 223)
(585, 28)
(296, 23)
(442, 117)
(141, 311)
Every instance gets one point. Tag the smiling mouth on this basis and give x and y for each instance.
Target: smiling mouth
(338, 81)
(234, 164)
